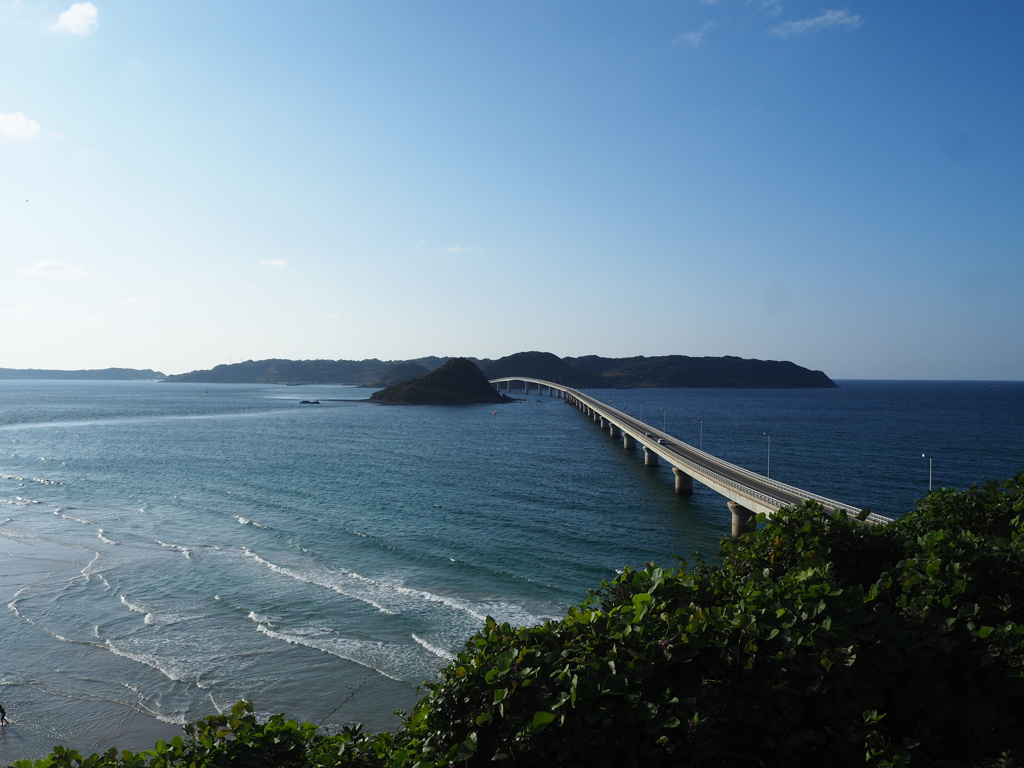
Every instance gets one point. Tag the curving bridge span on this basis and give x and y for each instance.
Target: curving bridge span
(748, 493)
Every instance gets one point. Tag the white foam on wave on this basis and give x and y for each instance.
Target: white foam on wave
(131, 605)
(13, 607)
(187, 551)
(104, 539)
(516, 615)
(88, 572)
(62, 514)
(44, 481)
(322, 579)
(150, 614)
(450, 602)
(441, 653)
(377, 656)
(382, 594)
(16, 478)
(246, 521)
(168, 669)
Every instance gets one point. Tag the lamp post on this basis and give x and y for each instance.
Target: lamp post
(926, 456)
(769, 472)
(701, 422)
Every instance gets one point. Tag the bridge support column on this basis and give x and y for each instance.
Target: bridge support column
(650, 457)
(628, 442)
(684, 483)
(743, 520)
(613, 430)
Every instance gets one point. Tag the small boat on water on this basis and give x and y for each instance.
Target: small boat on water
(309, 402)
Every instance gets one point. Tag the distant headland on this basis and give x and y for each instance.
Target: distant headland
(679, 371)
(101, 374)
(592, 371)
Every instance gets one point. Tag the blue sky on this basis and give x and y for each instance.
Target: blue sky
(189, 183)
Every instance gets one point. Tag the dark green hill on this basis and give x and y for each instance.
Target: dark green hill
(457, 382)
(277, 371)
(589, 371)
(683, 371)
(401, 373)
(103, 374)
(536, 365)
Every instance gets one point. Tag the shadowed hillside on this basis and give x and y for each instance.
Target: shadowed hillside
(457, 382)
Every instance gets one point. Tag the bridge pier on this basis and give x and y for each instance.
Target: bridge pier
(613, 430)
(743, 520)
(684, 483)
(628, 441)
(650, 457)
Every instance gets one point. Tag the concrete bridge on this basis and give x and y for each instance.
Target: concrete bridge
(748, 493)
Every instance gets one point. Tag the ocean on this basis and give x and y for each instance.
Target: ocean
(167, 549)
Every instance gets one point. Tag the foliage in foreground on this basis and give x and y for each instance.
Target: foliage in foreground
(818, 641)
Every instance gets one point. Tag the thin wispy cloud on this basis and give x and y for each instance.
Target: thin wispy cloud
(274, 263)
(770, 7)
(18, 125)
(694, 38)
(459, 249)
(828, 20)
(53, 269)
(80, 19)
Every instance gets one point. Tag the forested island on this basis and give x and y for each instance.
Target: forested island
(457, 382)
(590, 371)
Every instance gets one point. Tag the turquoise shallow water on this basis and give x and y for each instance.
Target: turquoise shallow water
(168, 549)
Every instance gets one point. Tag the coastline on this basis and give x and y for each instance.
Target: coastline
(41, 718)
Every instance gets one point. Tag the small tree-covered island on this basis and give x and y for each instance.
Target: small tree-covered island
(457, 382)
(816, 640)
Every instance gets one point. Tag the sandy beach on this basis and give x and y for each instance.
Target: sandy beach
(40, 718)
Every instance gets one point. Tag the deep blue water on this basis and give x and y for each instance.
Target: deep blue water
(169, 549)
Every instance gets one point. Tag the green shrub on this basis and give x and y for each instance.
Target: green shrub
(819, 641)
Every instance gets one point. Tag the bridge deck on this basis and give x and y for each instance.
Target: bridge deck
(749, 489)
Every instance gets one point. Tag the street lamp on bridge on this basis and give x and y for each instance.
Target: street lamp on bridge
(926, 456)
